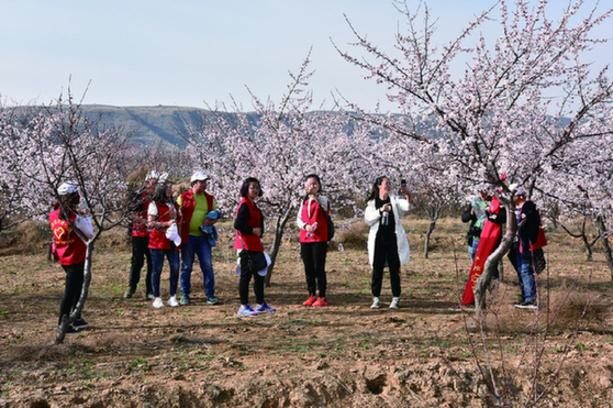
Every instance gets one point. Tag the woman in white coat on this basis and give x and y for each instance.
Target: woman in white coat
(387, 241)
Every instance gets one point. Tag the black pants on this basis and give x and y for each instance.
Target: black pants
(386, 251)
(313, 256)
(140, 252)
(72, 290)
(243, 284)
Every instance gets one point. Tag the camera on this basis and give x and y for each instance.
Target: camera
(403, 186)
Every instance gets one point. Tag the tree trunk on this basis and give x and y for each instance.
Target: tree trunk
(554, 215)
(433, 218)
(604, 236)
(588, 247)
(491, 264)
(87, 277)
(584, 238)
(276, 243)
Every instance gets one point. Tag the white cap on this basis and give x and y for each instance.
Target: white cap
(68, 187)
(199, 175)
(152, 175)
(162, 178)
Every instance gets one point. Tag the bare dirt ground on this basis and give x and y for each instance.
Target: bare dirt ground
(344, 355)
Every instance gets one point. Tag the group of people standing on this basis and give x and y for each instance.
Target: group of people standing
(486, 218)
(164, 227)
(183, 228)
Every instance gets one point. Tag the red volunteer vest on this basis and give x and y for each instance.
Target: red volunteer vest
(157, 237)
(69, 248)
(139, 229)
(310, 214)
(187, 209)
(250, 242)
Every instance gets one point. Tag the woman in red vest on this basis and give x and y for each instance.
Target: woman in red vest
(249, 225)
(312, 219)
(162, 214)
(70, 230)
(139, 204)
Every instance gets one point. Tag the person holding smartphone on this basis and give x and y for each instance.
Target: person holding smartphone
(387, 240)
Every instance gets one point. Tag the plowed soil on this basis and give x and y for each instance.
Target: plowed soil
(429, 353)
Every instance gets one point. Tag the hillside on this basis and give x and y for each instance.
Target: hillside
(149, 124)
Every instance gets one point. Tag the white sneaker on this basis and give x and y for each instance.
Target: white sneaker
(157, 303)
(395, 303)
(172, 301)
(376, 303)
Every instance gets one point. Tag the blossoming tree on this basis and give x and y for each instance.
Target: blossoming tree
(502, 113)
(58, 144)
(279, 144)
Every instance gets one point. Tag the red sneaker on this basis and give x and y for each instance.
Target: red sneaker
(309, 302)
(320, 302)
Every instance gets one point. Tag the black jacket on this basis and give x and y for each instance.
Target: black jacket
(528, 227)
(242, 220)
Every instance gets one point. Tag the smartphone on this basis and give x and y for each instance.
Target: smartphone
(403, 186)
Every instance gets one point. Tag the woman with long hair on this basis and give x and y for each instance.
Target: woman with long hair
(387, 240)
(249, 225)
(161, 215)
(312, 219)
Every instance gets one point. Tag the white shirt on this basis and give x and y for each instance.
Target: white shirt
(153, 209)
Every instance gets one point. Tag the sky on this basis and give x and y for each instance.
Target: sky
(199, 52)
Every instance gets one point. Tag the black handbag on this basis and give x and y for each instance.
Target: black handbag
(330, 228)
(255, 261)
(538, 259)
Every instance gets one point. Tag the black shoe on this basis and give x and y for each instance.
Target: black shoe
(69, 329)
(128, 293)
(80, 324)
(526, 305)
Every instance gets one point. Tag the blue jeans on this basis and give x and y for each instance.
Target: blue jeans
(197, 246)
(157, 261)
(472, 250)
(525, 275)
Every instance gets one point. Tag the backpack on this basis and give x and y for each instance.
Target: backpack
(330, 227)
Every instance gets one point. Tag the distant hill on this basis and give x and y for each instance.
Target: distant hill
(149, 124)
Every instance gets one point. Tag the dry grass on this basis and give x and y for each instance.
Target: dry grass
(352, 234)
(569, 310)
(27, 237)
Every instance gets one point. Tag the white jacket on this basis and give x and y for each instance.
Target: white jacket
(400, 206)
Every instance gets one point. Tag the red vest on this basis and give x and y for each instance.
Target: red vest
(157, 237)
(69, 249)
(250, 242)
(317, 214)
(187, 209)
(139, 229)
